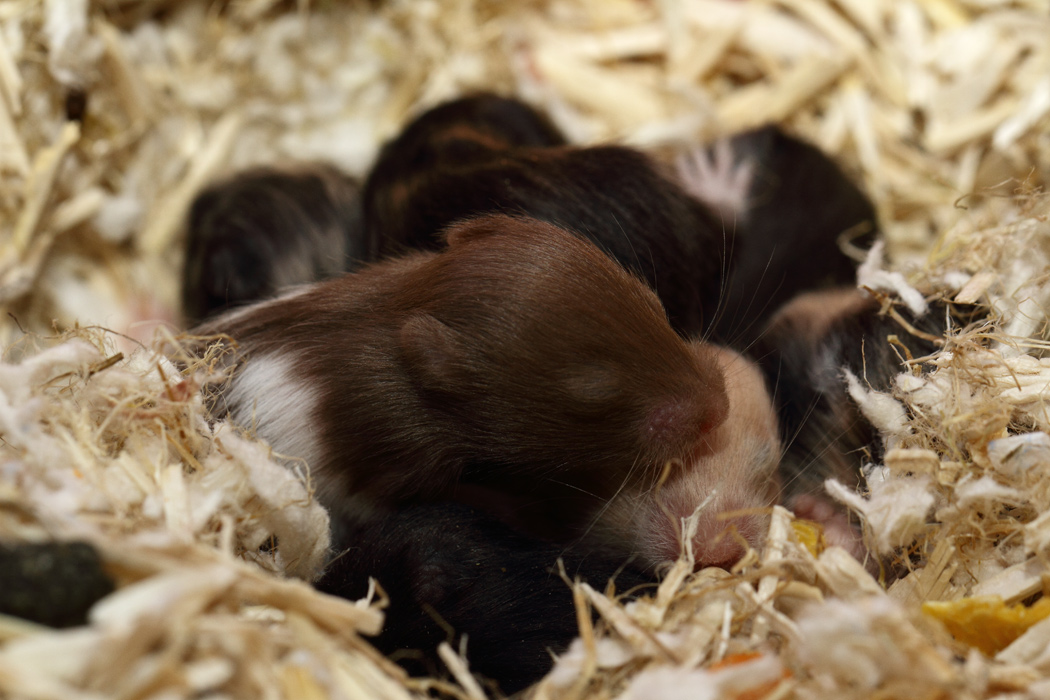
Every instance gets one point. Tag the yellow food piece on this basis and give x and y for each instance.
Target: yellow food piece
(810, 535)
(986, 622)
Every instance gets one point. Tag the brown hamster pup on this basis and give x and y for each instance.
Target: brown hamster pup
(520, 354)
(265, 229)
(497, 585)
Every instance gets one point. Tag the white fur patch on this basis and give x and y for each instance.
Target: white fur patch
(280, 407)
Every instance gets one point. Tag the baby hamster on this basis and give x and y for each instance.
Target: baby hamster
(806, 348)
(519, 358)
(786, 207)
(451, 570)
(265, 229)
(616, 197)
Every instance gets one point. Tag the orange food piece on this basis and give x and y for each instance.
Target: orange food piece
(734, 659)
(986, 622)
(759, 691)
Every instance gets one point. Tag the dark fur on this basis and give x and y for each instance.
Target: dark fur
(805, 350)
(266, 229)
(800, 203)
(710, 276)
(614, 196)
(451, 570)
(451, 135)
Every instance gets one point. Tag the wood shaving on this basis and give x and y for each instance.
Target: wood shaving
(940, 109)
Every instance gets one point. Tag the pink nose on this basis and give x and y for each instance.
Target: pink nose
(721, 538)
(722, 541)
(724, 551)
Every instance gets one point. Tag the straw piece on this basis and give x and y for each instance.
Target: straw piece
(761, 103)
(131, 88)
(161, 228)
(40, 184)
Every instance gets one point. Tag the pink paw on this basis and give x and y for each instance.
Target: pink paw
(838, 531)
(712, 175)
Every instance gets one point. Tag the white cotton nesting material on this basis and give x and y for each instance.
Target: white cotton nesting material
(885, 412)
(872, 274)
(282, 506)
(984, 493)
(608, 654)
(72, 49)
(1018, 455)
(868, 646)
(895, 511)
(676, 683)
(127, 437)
(1030, 649)
(119, 217)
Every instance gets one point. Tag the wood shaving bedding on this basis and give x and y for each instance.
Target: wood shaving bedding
(939, 108)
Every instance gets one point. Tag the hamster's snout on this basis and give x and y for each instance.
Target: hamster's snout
(729, 478)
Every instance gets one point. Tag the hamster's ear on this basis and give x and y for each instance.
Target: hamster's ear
(476, 228)
(434, 354)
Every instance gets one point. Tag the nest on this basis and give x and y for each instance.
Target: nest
(114, 113)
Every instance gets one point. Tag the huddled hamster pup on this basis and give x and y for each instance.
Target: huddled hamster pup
(785, 207)
(452, 569)
(434, 174)
(265, 229)
(449, 566)
(807, 348)
(518, 359)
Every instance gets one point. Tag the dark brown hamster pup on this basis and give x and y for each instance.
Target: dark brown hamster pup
(807, 349)
(266, 229)
(451, 135)
(449, 567)
(616, 197)
(717, 269)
